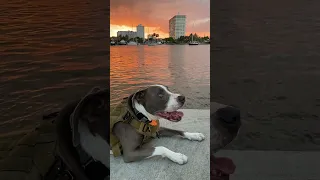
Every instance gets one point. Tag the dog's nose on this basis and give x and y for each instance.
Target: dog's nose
(181, 99)
(229, 115)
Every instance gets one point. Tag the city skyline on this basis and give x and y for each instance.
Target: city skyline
(155, 15)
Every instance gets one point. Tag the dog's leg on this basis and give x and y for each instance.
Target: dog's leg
(166, 132)
(144, 153)
(130, 141)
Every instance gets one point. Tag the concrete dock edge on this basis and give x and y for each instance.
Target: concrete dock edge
(274, 165)
(28, 156)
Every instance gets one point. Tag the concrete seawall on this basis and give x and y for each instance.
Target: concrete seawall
(198, 165)
(28, 156)
(274, 165)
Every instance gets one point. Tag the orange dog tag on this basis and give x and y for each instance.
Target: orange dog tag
(153, 123)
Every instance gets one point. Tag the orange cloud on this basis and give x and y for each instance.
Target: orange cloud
(155, 15)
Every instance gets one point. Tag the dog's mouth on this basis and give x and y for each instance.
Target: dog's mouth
(225, 125)
(173, 116)
(222, 167)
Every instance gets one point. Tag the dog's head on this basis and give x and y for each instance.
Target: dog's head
(157, 101)
(224, 127)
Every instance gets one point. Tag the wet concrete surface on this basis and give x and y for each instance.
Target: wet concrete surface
(198, 153)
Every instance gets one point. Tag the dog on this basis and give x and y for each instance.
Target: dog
(224, 127)
(82, 135)
(153, 103)
(85, 124)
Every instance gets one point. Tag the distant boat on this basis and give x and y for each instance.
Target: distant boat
(159, 43)
(112, 43)
(193, 42)
(122, 42)
(132, 43)
(152, 44)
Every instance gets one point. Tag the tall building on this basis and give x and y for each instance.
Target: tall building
(177, 26)
(140, 31)
(131, 34)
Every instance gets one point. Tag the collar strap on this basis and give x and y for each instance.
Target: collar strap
(138, 114)
(141, 117)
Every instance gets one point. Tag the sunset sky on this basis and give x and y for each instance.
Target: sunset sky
(155, 15)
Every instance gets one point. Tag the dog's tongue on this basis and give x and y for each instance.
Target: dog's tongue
(225, 165)
(171, 116)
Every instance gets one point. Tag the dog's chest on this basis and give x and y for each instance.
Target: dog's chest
(95, 146)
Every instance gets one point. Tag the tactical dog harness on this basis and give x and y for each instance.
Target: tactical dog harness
(126, 114)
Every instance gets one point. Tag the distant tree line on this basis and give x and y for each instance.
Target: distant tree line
(126, 38)
(180, 40)
(186, 39)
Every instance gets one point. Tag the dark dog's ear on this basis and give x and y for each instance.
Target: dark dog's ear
(140, 95)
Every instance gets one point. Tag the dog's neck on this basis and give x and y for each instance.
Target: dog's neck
(140, 108)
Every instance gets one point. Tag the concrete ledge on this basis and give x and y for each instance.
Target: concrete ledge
(274, 165)
(198, 166)
(31, 156)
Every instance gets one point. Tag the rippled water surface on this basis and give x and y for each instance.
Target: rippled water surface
(184, 68)
(51, 53)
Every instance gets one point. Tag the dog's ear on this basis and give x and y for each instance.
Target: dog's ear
(140, 95)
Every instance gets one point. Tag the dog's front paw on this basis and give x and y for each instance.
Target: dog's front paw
(193, 136)
(178, 158)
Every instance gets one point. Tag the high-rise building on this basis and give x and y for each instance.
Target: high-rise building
(177, 26)
(130, 34)
(140, 31)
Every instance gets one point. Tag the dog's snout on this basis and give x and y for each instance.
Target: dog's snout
(181, 99)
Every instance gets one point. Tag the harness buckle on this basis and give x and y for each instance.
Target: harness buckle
(142, 127)
(148, 129)
(128, 117)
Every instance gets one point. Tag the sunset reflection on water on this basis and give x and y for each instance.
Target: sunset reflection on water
(183, 68)
(51, 53)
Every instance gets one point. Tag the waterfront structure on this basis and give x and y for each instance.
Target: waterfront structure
(153, 36)
(130, 34)
(140, 31)
(177, 26)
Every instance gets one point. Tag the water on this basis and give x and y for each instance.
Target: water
(266, 62)
(185, 69)
(51, 53)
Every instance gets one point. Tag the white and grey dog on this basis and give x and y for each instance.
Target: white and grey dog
(154, 102)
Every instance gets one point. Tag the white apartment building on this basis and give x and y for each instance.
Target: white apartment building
(131, 34)
(177, 26)
(140, 31)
